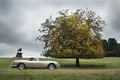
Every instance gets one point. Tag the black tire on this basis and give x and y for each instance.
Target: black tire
(21, 66)
(51, 66)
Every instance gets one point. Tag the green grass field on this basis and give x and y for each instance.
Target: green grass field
(90, 69)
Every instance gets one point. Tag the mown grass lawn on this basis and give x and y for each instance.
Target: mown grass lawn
(90, 69)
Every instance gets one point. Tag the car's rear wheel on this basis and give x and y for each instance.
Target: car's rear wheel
(21, 66)
(51, 66)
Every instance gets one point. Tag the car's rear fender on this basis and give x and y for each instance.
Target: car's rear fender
(51, 63)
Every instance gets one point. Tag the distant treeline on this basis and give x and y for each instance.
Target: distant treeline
(111, 47)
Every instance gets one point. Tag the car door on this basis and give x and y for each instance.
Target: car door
(33, 64)
(43, 64)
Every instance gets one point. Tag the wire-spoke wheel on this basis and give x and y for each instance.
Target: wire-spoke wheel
(21, 66)
(51, 66)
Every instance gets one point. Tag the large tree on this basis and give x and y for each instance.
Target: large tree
(73, 35)
(105, 47)
(111, 47)
(112, 44)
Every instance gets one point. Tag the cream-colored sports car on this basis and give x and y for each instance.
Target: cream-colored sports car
(23, 64)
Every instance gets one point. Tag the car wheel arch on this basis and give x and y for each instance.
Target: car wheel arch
(20, 63)
(51, 63)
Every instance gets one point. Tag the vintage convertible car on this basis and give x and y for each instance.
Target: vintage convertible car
(23, 64)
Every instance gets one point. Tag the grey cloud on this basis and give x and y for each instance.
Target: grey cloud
(60, 3)
(115, 13)
(8, 31)
(5, 6)
(12, 32)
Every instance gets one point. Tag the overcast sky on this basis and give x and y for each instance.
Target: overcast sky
(20, 21)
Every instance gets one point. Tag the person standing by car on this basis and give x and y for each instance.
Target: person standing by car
(31, 59)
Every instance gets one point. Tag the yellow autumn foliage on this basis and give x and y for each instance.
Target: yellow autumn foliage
(74, 35)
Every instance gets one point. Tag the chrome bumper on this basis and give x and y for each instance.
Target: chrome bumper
(57, 65)
(13, 66)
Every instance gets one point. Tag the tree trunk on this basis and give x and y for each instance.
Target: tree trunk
(77, 61)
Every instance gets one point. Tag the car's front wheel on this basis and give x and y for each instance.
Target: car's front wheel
(21, 66)
(51, 66)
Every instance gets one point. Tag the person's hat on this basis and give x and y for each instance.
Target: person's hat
(31, 58)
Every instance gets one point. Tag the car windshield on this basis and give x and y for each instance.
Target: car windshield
(37, 59)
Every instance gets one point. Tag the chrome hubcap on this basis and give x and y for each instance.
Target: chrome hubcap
(51, 66)
(21, 66)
